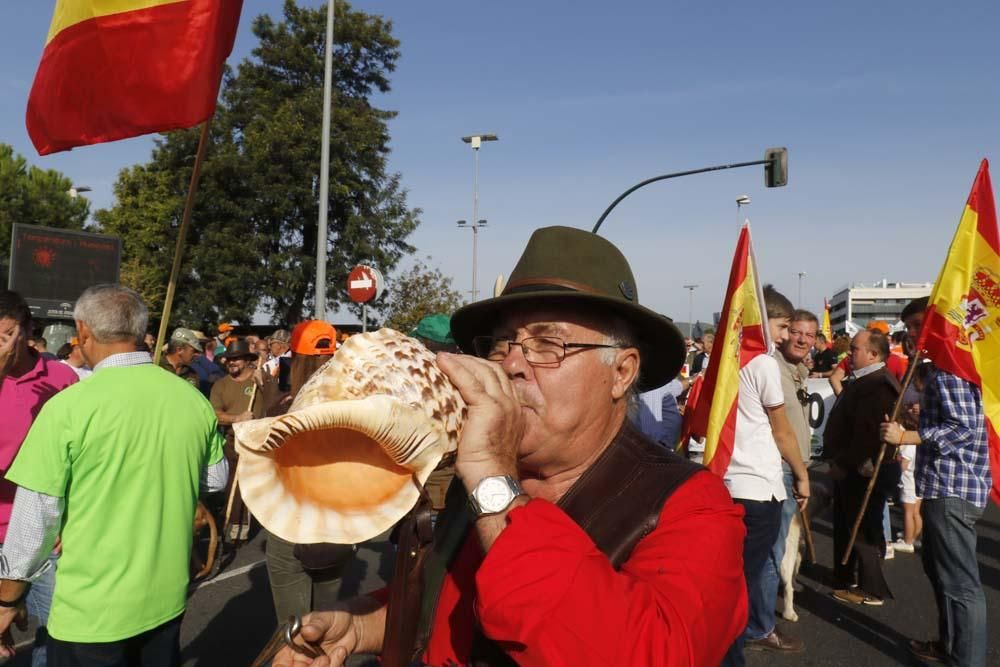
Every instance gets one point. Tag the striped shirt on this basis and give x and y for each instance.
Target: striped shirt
(953, 458)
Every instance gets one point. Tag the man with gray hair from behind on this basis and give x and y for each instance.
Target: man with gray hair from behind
(136, 443)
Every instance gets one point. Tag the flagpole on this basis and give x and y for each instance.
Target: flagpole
(878, 461)
(181, 236)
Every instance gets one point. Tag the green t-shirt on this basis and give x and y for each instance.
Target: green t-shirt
(126, 450)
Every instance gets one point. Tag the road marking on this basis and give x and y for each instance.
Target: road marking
(232, 573)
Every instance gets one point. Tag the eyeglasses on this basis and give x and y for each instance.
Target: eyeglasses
(537, 350)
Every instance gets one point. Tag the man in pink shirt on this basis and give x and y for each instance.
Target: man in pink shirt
(27, 380)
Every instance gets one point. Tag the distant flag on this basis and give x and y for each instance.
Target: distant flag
(961, 331)
(826, 330)
(113, 69)
(741, 336)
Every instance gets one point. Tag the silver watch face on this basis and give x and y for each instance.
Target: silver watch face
(494, 495)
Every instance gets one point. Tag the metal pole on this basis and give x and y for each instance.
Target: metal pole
(802, 274)
(324, 169)
(690, 289)
(364, 318)
(475, 220)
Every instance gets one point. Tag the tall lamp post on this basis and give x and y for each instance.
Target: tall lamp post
(802, 275)
(324, 168)
(476, 140)
(690, 289)
(475, 234)
(742, 200)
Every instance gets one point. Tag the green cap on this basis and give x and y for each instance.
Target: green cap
(436, 327)
(186, 337)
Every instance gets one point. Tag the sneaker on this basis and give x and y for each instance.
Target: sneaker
(848, 596)
(777, 641)
(902, 547)
(890, 553)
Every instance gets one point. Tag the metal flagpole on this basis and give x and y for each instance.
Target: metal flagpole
(324, 169)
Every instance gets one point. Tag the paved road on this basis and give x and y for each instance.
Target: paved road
(231, 617)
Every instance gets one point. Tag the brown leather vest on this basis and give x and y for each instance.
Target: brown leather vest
(617, 502)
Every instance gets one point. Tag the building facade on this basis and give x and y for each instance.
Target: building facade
(854, 306)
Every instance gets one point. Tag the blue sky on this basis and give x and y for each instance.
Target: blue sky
(886, 110)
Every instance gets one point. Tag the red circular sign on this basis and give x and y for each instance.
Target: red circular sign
(363, 284)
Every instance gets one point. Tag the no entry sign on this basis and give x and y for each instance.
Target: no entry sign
(364, 284)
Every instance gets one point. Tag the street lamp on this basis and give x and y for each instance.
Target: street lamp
(75, 190)
(742, 200)
(475, 235)
(802, 274)
(690, 289)
(476, 140)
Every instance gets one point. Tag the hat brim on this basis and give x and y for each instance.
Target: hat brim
(661, 345)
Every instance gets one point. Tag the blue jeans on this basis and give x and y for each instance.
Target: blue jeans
(762, 519)
(38, 603)
(949, 559)
(761, 622)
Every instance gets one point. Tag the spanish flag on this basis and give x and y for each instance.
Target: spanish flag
(826, 329)
(113, 69)
(961, 331)
(742, 335)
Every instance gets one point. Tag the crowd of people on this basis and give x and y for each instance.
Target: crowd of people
(575, 534)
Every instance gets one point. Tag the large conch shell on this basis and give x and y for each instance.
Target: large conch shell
(344, 462)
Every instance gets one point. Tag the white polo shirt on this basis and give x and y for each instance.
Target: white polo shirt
(754, 471)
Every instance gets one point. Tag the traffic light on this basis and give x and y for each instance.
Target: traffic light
(776, 167)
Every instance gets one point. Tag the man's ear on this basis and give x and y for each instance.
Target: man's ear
(626, 371)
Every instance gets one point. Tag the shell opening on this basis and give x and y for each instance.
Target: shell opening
(339, 468)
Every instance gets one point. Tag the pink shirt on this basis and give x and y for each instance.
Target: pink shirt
(21, 399)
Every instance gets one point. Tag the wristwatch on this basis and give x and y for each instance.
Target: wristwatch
(493, 495)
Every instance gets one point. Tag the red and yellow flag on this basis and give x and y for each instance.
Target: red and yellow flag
(742, 335)
(114, 69)
(961, 331)
(826, 329)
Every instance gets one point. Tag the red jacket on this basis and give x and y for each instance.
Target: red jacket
(551, 598)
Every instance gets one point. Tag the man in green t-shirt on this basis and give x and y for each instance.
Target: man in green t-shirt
(135, 442)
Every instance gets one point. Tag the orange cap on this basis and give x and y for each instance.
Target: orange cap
(879, 325)
(225, 326)
(229, 339)
(314, 337)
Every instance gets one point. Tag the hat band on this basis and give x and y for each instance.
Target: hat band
(534, 284)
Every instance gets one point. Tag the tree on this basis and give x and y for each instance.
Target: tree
(34, 196)
(415, 293)
(253, 242)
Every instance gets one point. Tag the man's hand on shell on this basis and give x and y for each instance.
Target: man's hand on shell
(495, 424)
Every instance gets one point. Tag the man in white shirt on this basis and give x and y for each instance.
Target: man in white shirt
(764, 437)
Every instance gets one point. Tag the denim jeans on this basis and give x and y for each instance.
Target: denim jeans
(949, 559)
(38, 603)
(762, 519)
(762, 624)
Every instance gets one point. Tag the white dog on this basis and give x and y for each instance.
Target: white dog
(821, 495)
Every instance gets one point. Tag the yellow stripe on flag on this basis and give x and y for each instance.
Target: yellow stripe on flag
(70, 12)
(744, 311)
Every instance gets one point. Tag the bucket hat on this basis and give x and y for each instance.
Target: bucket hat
(570, 266)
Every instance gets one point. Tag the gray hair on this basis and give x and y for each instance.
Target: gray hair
(113, 313)
(617, 332)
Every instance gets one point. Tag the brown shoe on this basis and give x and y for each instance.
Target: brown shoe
(777, 642)
(849, 596)
(928, 651)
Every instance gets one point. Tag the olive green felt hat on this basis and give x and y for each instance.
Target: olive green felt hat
(566, 265)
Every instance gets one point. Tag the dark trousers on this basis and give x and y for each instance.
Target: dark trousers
(159, 647)
(762, 520)
(866, 555)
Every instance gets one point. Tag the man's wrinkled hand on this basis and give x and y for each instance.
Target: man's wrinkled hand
(494, 425)
(333, 631)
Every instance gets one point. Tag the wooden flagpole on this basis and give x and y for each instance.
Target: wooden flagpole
(181, 236)
(878, 461)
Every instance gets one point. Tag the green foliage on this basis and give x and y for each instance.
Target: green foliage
(36, 197)
(253, 240)
(415, 293)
